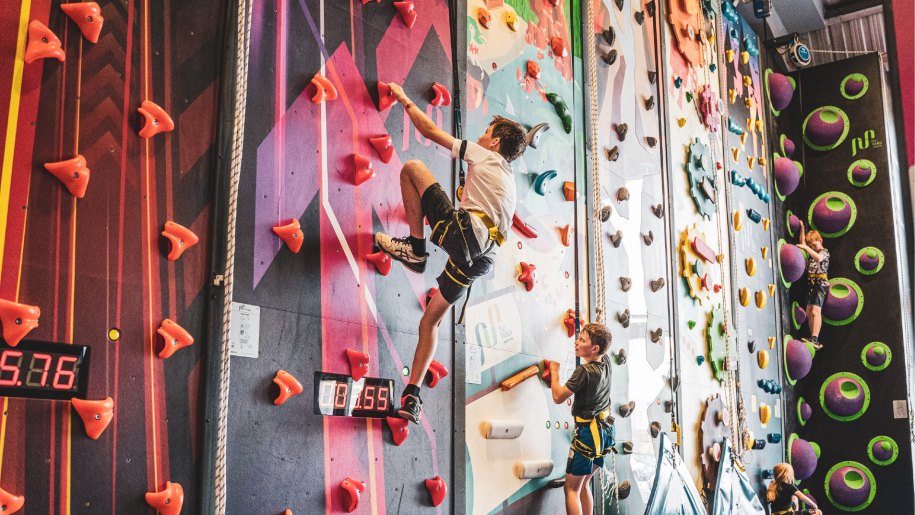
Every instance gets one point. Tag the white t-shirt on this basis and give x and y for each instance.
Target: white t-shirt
(490, 188)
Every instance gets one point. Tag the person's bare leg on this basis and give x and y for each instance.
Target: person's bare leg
(816, 321)
(415, 178)
(428, 338)
(587, 500)
(573, 494)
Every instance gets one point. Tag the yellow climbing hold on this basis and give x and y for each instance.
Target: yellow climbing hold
(759, 126)
(744, 297)
(751, 266)
(681, 122)
(747, 81)
(745, 57)
(738, 222)
(743, 138)
(732, 95)
(749, 125)
(761, 299)
(762, 358)
(730, 55)
(765, 252)
(762, 160)
(771, 289)
(765, 224)
(750, 162)
(719, 258)
(771, 342)
(765, 413)
(736, 152)
(748, 102)
(511, 19)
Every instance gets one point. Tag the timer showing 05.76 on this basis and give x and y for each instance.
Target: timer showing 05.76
(44, 370)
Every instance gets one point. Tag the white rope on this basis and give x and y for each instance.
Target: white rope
(238, 137)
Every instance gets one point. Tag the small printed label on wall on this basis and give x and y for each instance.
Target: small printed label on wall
(777, 411)
(900, 409)
(246, 326)
(752, 404)
(473, 362)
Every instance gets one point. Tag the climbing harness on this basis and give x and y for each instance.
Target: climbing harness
(594, 425)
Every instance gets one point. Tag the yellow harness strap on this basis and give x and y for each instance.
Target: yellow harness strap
(594, 427)
(494, 233)
(817, 276)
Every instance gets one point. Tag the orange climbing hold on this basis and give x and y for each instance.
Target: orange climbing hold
(442, 95)
(180, 237)
(364, 169)
(407, 14)
(157, 120)
(352, 489)
(11, 503)
(18, 320)
(175, 336)
(385, 96)
(483, 17)
(358, 363)
(383, 146)
(533, 70)
(289, 387)
(291, 234)
(569, 322)
(168, 501)
(324, 89)
(96, 415)
(437, 489)
(568, 190)
(73, 173)
(564, 235)
(88, 17)
(558, 47)
(381, 261)
(400, 429)
(528, 275)
(288, 511)
(435, 373)
(42, 43)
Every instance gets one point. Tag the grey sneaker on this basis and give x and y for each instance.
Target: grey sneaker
(401, 250)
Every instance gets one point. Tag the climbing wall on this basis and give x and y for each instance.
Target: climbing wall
(96, 266)
(519, 54)
(300, 312)
(636, 259)
(751, 199)
(847, 413)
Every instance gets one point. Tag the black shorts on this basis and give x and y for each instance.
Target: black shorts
(817, 293)
(451, 231)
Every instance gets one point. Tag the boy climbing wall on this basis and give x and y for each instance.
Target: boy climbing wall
(469, 235)
(591, 408)
(817, 269)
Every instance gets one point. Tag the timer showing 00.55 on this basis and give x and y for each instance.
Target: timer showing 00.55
(43, 370)
(339, 395)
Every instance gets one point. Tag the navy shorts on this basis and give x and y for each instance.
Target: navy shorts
(817, 294)
(581, 465)
(451, 231)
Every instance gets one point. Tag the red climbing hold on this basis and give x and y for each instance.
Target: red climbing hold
(289, 386)
(381, 261)
(400, 429)
(18, 319)
(73, 173)
(437, 489)
(96, 415)
(701, 248)
(558, 47)
(442, 95)
(291, 233)
(11, 503)
(42, 43)
(288, 511)
(352, 489)
(564, 235)
(568, 190)
(358, 362)
(324, 89)
(545, 371)
(364, 169)
(385, 96)
(175, 336)
(180, 237)
(407, 14)
(88, 17)
(533, 70)
(522, 227)
(429, 294)
(157, 120)
(435, 373)
(168, 501)
(384, 147)
(569, 322)
(528, 275)
(484, 17)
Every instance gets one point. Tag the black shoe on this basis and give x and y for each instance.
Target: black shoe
(411, 408)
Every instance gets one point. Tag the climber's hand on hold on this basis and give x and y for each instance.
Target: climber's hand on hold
(398, 93)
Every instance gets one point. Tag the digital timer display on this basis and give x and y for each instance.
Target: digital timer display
(339, 395)
(42, 370)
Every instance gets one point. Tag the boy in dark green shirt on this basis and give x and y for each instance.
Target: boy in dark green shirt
(591, 408)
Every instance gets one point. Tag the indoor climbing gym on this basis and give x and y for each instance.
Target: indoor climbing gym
(584, 257)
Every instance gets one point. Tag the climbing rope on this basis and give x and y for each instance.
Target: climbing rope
(243, 39)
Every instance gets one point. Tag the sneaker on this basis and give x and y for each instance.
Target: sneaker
(401, 250)
(411, 408)
(816, 343)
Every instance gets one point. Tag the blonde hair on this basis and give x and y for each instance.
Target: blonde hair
(784, 473)
(813, 236)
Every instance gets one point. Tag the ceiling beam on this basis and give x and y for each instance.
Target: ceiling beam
(850, 7)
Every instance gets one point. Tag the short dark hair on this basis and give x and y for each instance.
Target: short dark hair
(512, 137)
(599, 335)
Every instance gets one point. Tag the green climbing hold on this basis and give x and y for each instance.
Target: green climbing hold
(691, 324)
(561, 110)
(689, 96)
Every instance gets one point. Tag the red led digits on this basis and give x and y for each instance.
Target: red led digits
(43, 370)
(70, 375)
(7, 366)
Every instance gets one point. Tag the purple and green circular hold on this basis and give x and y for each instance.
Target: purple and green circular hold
(869, 260)
(793, 223)
(876, 356)
(803, 456)
(798, 359)
(791, 262)
(854, 86)
(825, 128)
(780, 90)
(850, 486)
(804, 411)
(833, 214)
(883, 450)
(787, 145)
(844, 396)
(798, 315)
(862, 172)
(844, 302)
(788, 174)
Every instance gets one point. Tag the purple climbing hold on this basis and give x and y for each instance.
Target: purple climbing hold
(798, 360)
(825, 128)
(800, 315)
(791, 261)
(861, 173)
(841, 302)
(833, 213)
(876, 356)
(849, 486)
(788, 146)
(794, 224)
(869, 260)
(882, 450)
(787, 175)
(803, 458)
(844, 397)
(805, 411)
(781, 90)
